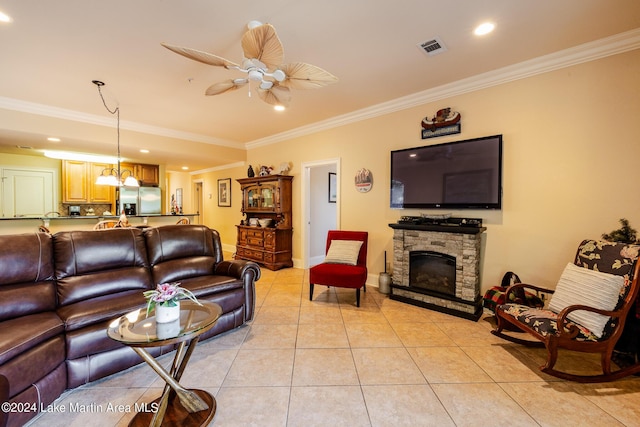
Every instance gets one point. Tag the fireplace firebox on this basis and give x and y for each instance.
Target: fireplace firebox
(433, 271)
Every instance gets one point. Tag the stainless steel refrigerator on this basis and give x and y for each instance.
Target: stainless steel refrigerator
(140, 200)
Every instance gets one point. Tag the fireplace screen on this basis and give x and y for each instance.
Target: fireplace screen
(433, 271)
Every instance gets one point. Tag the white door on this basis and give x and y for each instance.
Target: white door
(318, 214)
(28, 192)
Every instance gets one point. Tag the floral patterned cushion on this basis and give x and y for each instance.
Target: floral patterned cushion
(609, 257)
(544, 321)
(606, 257)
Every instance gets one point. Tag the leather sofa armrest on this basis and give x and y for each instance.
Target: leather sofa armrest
(238, 268)
(249, 273)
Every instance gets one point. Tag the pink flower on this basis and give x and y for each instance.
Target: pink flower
(167, 294)
(630, 252)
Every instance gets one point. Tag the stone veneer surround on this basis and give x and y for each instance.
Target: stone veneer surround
(463, 243)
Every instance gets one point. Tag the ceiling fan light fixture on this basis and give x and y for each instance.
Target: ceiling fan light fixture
(279, 107)
(262, 52)
(255, 75)
(279, 75)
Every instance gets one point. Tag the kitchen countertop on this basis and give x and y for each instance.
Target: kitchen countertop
(94, 217)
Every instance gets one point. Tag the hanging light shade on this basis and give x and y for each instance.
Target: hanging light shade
(112, 176)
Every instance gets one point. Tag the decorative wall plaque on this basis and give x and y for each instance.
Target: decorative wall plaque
(364, 180)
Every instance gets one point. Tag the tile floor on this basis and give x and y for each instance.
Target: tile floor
(327, 363)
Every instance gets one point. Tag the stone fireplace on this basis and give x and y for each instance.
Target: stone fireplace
(438, 267)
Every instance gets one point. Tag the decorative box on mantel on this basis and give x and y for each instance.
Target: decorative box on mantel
(438, 267)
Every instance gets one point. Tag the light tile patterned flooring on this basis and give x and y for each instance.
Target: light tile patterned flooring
(327, 363)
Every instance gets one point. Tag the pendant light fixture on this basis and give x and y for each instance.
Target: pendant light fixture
(115, 176)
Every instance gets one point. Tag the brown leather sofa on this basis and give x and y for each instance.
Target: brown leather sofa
(58, 294)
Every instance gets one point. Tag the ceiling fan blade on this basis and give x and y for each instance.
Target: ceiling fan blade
(306, 76)
(204, 57)
(277, 95)
(225, 86)
(262, 43)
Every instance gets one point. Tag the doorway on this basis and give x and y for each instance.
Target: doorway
(320, 210)
(198, 201)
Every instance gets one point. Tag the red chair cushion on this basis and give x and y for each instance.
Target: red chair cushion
(340, 275)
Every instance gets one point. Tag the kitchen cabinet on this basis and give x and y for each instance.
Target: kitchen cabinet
(266, 197)
(147, 175)
(75, 187)
(100, 194)
(78, 183)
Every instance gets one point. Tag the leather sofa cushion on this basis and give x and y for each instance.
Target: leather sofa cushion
(93, 264)
(100, 309)
(27, 275)
(26, 332)
(33, 364)
(176, 270)
(43, 392)
(210, 285)
(176, 241)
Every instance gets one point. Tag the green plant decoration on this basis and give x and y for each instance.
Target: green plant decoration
(624, 234)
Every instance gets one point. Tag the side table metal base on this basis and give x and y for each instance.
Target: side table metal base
(177, 415)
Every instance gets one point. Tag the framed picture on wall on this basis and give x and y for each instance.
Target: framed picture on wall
(333, 192)
(224, 192)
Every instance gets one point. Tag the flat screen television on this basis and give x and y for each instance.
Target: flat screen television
(455, 175)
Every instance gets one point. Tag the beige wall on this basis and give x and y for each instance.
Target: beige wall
(222, 219)
(570, 151)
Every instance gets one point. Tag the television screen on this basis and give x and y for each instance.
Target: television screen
(455, 175)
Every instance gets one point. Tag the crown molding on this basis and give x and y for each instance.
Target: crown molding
(219, 168)
(586, 52)
(92, 119)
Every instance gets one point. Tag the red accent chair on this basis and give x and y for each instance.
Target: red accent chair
(342, 275)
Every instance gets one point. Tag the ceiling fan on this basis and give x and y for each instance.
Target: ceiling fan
(262, 64)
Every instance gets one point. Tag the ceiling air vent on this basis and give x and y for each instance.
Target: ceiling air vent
(433, 46)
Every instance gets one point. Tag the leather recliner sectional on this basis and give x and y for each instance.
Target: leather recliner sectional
(59, 293)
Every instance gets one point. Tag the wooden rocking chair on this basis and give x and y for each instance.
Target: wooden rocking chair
(564, 328)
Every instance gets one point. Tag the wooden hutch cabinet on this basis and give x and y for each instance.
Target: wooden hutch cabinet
(266, 197)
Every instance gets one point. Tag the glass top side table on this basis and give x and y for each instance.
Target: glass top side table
(192, 407)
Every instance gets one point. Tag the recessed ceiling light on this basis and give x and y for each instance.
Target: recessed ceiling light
(144, 151)
(185, 168)
(483, 29)
(53, 139)
(4, 17)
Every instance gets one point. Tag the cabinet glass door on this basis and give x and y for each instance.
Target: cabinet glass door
(267, 198)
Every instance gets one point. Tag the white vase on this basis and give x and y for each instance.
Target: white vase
(166, 314)
(168, 330)
(384, 283)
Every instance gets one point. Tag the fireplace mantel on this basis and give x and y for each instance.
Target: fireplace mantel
(457, 229)
(461, 242)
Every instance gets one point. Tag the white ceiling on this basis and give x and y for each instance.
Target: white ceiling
(52, 51)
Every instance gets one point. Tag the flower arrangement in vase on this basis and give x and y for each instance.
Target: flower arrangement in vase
(165, 298)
